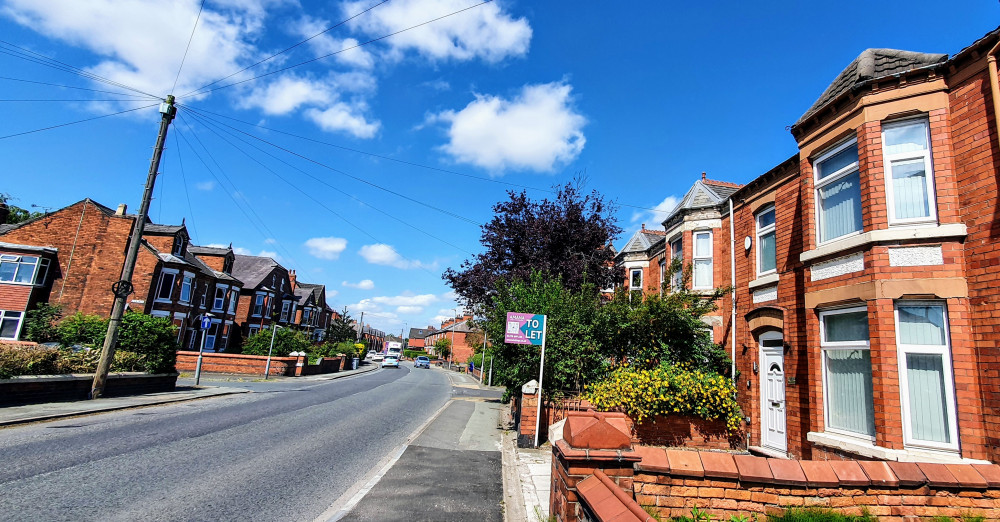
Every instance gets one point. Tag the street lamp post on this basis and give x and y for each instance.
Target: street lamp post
(454, 324)
(267, 367)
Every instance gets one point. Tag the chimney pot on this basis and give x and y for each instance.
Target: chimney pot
(121, 209)
(703, 176)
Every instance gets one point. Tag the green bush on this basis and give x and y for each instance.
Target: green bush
(286, 341)
(82, 361)
(818, 515)
(152, 339)
(413, 354)
(40, 323)
(667, 390)
(86, 330)
(22, 360)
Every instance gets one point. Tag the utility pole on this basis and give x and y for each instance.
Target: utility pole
(123, 288)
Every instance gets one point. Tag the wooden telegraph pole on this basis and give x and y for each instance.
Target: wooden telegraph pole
(123, 288)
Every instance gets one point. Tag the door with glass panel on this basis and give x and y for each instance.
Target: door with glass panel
(772, 386)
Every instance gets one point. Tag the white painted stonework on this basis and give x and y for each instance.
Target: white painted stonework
(764, 295)
(838, 267)
(916, 256)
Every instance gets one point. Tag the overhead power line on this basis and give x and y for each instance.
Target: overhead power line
(362, 44)
(17, 51)
(209, 124)
(144, 97)
(188, 48)
(341, 172)
(78, 121)
(285, 50)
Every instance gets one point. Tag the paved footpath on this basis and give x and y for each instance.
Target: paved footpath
(451, 470)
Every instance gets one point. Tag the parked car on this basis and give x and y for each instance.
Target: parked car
(378, 357)
(390, 361)
(370, 354)
(422, 362)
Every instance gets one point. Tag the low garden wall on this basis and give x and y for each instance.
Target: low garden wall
(327, 365)
(239, 363)
(35, 389)
(672, 482)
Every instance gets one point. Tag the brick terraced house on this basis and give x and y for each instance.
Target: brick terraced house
(866, 321)
(86, 245)
(266, 296)
(310, 311)
(25, 281)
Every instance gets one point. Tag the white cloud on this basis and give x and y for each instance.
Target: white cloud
(656, 216)
(270, 241)
(535, 130)
(243, 251)
(326, 247)
(364, 284)
(325, 44)
(382, 254)
(138, 48)
(405, 300)
(205, 185)
(484, 32)
(287, 94)
(343, 117)
(409, 309)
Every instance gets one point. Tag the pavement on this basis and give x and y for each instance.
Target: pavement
(222, 384)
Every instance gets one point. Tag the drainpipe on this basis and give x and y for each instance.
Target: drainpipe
(991, 64)
(732, 283)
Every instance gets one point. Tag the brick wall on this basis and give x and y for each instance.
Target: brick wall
(238, 363)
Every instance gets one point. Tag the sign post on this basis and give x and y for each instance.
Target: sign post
(206, 323)
(529, 329)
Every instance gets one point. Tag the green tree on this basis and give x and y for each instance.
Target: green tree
(40, 323)
(341, 328)
(572, 356)
(88, 330)
(442, 347)
(152, 339)
(15, 214)
(286, 341)
(649, 330)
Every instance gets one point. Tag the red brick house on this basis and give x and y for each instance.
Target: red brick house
(310, 311)
(642, 261)
(89, 242)
(417, 337)
(457, 331)
(25, 281)
(266, 295)
(867, 308)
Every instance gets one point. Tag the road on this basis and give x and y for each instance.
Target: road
(286, 453)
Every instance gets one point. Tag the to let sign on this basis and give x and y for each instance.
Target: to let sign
(524, 328)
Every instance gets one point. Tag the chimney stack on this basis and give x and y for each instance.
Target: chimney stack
(121, 209)
(291, 278)
(703, 176)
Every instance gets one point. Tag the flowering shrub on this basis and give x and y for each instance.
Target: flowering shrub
(667, 390)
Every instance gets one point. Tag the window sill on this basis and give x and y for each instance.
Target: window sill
(764, 280)
(867, 449)
(950, 230)
(769, 452)
(164, 301)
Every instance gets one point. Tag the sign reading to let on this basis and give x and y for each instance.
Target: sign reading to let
(524, 328)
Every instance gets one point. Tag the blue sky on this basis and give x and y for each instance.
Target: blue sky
(422, 131)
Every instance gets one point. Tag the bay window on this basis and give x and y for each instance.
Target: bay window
(258, 305)
(663, 274)
(702, 260)
(285, 306)
(165, 290)
(677, 252)
(847, 371)
(766, 248)
(635, 279)
(838, 192)
(186, 287)
(233, 299)
(909, 174)
(220, 297)
(926, 381)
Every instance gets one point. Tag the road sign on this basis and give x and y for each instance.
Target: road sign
(524, 328)
(206, 322)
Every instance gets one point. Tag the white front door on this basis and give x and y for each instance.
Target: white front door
(772, 376)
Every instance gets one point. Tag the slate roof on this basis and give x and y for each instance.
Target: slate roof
(253, 269)
(304, 290)
(460, 327)
(164, 230)
(871, 65)
(420, 333)
(207, 250)
(705, 193)
(191, 261)
(642, 241)
(29, 248)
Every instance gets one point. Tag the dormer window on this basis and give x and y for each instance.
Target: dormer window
(227, 265)
(179, 244)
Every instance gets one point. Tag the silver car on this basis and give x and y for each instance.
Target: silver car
(390, 361)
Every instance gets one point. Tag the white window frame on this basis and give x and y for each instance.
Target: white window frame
(631, 279)
(188, 280)
(678, 277)
(172, 272)
(219, 302)
(819, 184)
(217, 324)
(234, 300)
(18, 260)
(259, 296)
(663, 274)
(841, 345)
(286, 306)
(763, 231)
(925, 155)
(695, 257)
(949, 378)
(20, 322)
(252, 329)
